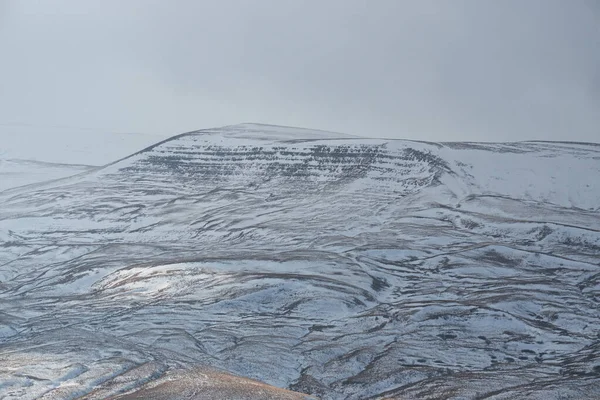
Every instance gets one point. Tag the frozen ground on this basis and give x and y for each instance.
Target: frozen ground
(342, 267)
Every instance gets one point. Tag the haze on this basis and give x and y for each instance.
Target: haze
(105, 78)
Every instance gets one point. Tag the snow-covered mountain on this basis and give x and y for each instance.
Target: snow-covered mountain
(333, 265)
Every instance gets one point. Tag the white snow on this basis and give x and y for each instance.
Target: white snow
(305, 259)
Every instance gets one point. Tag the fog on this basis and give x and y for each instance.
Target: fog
(86, 72)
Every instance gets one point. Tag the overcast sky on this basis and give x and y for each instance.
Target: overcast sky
(488, 70)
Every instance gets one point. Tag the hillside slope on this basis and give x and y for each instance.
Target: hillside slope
(15, 173)
(338, 266)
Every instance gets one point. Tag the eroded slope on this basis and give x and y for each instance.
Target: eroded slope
(337, 266)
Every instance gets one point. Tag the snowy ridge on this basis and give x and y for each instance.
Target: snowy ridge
(15, 173)
(342, 267)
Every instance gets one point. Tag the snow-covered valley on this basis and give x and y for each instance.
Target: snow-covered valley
(337, 266)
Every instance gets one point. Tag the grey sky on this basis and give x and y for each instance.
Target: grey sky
(495, 70)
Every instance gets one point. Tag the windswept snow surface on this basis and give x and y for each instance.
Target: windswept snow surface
(15, 173)
(341, 267)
